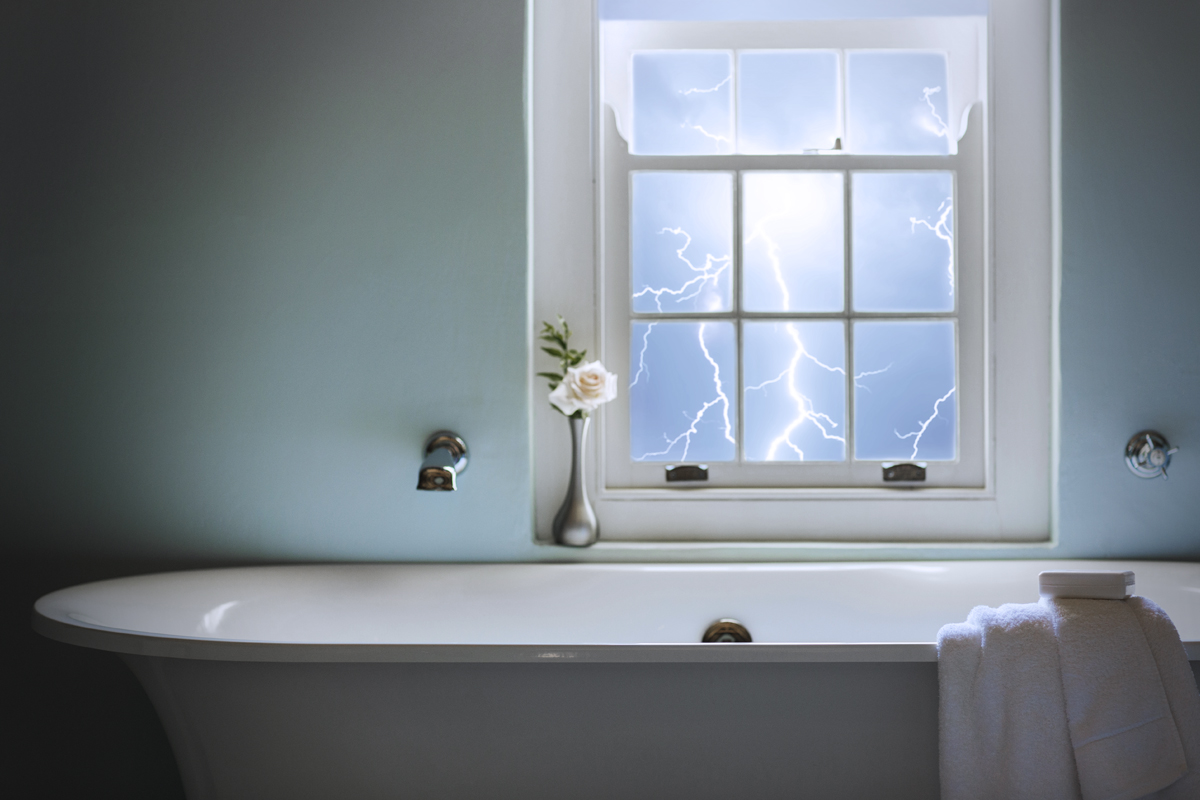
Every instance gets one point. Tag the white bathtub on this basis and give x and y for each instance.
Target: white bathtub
(555, 680)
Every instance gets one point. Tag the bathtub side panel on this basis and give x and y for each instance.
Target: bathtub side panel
(161, 685)
(280, 730)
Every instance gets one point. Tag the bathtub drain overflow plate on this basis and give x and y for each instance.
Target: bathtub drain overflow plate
(726, 631)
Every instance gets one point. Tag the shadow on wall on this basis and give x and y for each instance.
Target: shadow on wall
(76, 721)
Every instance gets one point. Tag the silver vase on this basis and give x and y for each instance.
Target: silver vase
(575, 523)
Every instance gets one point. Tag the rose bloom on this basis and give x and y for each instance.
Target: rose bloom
(584, 388)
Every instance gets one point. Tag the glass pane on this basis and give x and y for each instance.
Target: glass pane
(904, 400)
(682, 226)
(683, 394)
(795, 395)
(792, 241)
(897, 103)
(682, 103)
(787, 101)
(903, 248)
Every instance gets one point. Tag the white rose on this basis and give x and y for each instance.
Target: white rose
(584, 388)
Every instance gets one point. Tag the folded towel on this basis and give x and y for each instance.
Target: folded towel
(1003, 730)
(1124, 736)
(1180, 686)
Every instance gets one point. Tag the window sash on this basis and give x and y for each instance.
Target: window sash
(962, 39)
(622, 477)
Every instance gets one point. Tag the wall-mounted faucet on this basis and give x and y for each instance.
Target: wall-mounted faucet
(445, 460)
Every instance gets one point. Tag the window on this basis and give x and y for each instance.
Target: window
(794, 266)
(788, 344)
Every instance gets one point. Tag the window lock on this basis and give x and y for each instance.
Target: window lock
(687, 472)
(907, 473)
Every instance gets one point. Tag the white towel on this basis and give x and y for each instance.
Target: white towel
(1003, 731)
(1180, 686)
(1125, 740)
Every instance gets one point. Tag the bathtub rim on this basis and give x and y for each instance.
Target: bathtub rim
(116, 640)
(54, 624)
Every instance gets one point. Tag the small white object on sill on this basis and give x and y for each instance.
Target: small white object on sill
(1086, 585)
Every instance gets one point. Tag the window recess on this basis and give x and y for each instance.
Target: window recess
(795, 235)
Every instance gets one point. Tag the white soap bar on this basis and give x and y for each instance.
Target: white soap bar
(1091, 585)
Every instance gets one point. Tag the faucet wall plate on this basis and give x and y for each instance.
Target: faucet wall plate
(1148, 454)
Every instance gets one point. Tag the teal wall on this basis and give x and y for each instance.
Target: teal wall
(254, 252)
(1131, 273)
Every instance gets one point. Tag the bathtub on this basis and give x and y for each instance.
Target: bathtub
(555, 680)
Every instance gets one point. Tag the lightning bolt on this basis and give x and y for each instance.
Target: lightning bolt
(709, 272)
(805, 412)
(720, 399)
(942, 129)
(759, 231)
(921, 431)
(642, 357)
(867, 374)
(717, 139)
(728, 78)
(941, 229)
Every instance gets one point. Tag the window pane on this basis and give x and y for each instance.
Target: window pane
(904, 397)
(682, 245)
(792, 241)
(683, 394)
(682, 103)
(787, 101)
(795, 395)
(903, 248)
(897, 103)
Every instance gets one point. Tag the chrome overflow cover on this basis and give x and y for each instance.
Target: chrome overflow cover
(726, 630)
(1148, 454)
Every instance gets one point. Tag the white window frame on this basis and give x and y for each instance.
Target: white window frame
(625, 478)
(1009, 502)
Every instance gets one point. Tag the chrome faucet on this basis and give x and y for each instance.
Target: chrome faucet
(445, 460)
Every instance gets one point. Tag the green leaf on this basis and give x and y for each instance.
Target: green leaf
(553, 352)
(554, 376)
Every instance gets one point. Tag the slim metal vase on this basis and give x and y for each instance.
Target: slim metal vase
(575, 523)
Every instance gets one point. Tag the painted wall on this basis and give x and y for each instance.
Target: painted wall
(1130, 321)
(253, 252)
